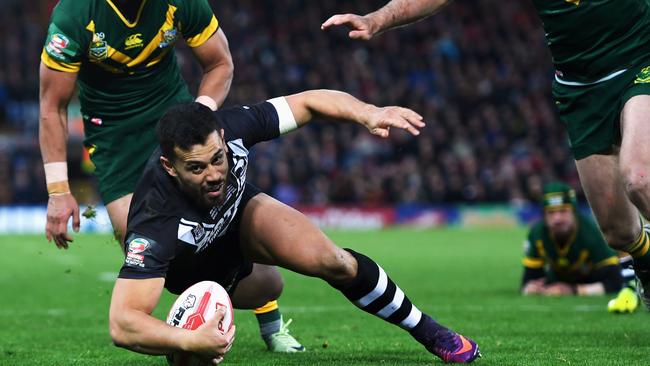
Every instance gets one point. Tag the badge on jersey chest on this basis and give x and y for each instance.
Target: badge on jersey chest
(169, 37)
(98, 50)
(574, 2)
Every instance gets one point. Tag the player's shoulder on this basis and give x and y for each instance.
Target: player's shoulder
(74, 8)
(184, 4)
(536, 230)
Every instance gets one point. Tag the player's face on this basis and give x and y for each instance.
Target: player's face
(561, 220)
(202, 170)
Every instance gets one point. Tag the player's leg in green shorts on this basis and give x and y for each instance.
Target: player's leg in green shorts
(119, 154)
(608, 129)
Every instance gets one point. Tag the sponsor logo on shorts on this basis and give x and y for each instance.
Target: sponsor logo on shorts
(58, 43)
(98, 50)
(138, 245)
(134, 259)
(643, 77)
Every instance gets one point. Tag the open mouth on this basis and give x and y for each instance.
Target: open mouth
(215, 190)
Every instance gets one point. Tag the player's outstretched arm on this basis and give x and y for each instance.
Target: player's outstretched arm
(133, 327)
(391, 15)
(339, 105)
(56, 90)
(216, 61)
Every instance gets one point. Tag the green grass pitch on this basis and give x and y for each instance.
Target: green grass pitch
(54, 307)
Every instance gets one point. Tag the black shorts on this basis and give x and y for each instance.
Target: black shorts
(222, 261)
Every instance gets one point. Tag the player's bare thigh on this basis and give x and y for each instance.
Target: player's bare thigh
(635, 151)
(274, 233)
(264, 284)
(118, 212)
(602, 183)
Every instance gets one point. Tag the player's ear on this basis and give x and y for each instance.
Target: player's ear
(223, 140)
(167, 165)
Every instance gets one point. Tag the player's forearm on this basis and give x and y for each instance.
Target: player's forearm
(401, 12)
(217, 80)
(216, 61)
(53, 136)
(330, 104)
(142, 333)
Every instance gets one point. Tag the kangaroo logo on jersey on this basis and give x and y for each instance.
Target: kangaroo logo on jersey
(133, 41)
(574, 2)
(169, 37)
(643, 77)
(98, 50)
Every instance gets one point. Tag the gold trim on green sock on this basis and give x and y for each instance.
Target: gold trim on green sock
(639, 247)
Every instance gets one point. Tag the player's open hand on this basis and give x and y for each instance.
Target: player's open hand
(381, 119)
(361, 27)
(212, 342)
(59, 210)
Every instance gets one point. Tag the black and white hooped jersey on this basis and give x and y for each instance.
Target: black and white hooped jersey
(163, 223)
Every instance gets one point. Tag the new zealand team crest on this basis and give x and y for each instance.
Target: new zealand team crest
(98, 50)
(169, 37)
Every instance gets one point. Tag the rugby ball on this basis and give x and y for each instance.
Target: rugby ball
(193, 308)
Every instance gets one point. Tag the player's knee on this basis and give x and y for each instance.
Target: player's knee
(337, 266)
(636, 178)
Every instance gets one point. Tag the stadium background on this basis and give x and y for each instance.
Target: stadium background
(479, 72)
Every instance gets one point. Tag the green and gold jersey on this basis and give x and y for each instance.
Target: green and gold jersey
(591, 40)
(585, 252)
(127, 69)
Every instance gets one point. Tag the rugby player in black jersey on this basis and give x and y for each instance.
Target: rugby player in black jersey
(193, 217)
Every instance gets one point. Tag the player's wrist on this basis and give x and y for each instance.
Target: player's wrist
(186, 340)
(56, 178)
(207, 101)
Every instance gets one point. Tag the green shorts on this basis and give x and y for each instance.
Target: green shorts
(119, 155)
(591, 113)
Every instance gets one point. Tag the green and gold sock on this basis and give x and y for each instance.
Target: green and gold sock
(638, 249)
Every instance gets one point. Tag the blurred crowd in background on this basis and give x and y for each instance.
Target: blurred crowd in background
(479, 72)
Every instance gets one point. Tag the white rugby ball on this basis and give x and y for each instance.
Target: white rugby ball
(194, 307)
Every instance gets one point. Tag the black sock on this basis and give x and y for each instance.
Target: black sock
(374, 292)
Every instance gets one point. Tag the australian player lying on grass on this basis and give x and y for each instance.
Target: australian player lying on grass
(200, 220)
(566, 254)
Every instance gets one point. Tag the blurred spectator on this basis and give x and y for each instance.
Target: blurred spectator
(479, 72)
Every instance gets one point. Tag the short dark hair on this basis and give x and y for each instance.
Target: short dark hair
(185, 125)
